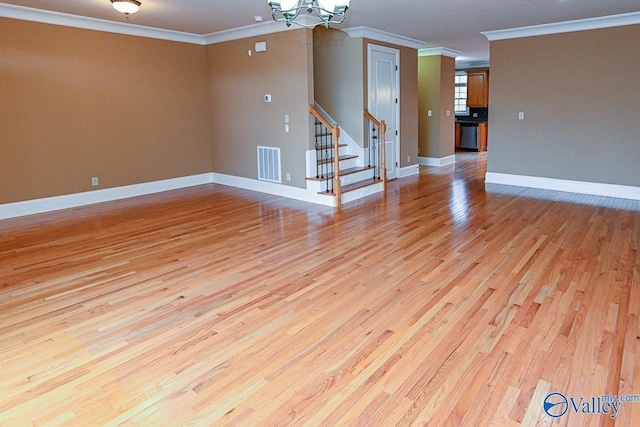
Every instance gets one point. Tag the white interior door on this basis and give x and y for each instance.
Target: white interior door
(384, 102)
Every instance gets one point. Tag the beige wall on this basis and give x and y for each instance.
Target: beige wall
(341, 86)
(580, 95)
(408, 99)
(77, 103)
(241, 120)
(339, 75)
(436, 82)
(447, 104)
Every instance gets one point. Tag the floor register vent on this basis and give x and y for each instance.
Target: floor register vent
(269, 164)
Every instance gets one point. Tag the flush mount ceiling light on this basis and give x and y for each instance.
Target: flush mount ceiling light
(327, 11)
(126, 6)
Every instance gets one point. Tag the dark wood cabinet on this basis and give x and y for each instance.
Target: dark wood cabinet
(482, 136)
(478, 88)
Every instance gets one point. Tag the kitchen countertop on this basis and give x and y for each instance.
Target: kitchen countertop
(471, 120)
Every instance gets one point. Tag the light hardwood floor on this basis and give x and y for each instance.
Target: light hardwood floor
(439, 303)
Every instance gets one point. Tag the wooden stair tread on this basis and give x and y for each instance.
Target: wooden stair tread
(343, 172)
(323, 147)
(341, 158)
(356, 185)
(360, 184)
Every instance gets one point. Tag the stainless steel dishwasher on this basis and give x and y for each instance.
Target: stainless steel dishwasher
(469, 136)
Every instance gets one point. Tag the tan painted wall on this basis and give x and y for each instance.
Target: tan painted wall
(436, 83)
(408, 99)
(447, 104)
(341, 85)
(339, 74)
(580, 95)
(77, 103)
(242, 120)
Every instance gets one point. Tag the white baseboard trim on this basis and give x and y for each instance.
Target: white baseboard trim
(272, 188)
(49, 204)
(408, 171)
(434, 161)
(580, 187)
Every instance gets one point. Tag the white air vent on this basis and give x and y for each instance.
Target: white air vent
(269, 164)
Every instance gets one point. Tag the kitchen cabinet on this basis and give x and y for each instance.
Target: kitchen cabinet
(478, 88)
(482, 136)
(471, 135)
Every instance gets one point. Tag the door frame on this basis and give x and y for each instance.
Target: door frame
(396, 140)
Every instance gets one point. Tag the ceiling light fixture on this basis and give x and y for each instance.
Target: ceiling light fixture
(328, 11)
(126, 6)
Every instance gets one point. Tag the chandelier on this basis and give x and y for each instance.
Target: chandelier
(126, 6)
(328, 11)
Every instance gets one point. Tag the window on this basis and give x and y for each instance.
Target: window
(461, 93)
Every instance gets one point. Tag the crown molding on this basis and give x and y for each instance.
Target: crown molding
(86, 23)
(383, 36)
(253, 30)
(438, 51)
(565, 27)
(263, 28)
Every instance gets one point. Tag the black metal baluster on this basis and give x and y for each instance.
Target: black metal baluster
(374, 147)
(318, 151)
(333, 154)
(326, 158)
(331, 162)
(369, 145)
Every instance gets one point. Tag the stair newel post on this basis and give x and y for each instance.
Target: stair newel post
(383, 154)
(327, 159)
(335, 132)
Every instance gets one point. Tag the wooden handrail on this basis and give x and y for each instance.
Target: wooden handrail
(368, 115)
(335, 134)
(317, 115)
(382, 126)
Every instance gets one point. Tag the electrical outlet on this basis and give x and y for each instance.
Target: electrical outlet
(94, 181)
(288, 176)
(408, 159)
(429, 113)
(521, 115)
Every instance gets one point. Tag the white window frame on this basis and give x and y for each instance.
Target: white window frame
(466, 111)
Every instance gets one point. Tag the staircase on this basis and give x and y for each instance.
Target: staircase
(344, 171)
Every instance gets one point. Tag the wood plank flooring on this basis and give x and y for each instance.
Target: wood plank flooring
(440, 303)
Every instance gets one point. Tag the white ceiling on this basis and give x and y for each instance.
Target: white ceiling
(452, 24)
